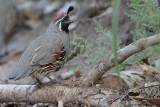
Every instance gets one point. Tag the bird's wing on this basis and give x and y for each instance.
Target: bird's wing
(42, 55)
(45, 54)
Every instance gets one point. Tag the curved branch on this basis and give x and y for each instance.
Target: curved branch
(96, 73)
(52, 94)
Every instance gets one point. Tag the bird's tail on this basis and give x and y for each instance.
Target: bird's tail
(19, 73)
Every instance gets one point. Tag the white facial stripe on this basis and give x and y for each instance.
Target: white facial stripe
(60, 27)
(59, 20)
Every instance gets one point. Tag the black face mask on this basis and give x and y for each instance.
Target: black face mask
(65, 23)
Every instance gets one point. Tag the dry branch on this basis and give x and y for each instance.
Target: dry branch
(96, 73)
(53, 93)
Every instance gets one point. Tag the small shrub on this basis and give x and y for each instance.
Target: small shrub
(97, 53)
(146, 15)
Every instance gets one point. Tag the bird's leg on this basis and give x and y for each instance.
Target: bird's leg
(39, 82)
(51, 79)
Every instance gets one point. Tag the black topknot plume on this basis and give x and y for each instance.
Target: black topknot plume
(71, 8)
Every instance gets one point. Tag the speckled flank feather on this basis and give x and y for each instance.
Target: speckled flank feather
(59, 16)
(50, 68)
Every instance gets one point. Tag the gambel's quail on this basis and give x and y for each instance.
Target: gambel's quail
(47, 53)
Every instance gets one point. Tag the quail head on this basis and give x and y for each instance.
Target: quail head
(47, 53)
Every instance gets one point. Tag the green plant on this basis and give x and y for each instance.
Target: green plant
(145, 14)
(96, 53)
(115, 34)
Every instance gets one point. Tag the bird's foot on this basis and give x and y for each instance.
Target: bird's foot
(39, 84)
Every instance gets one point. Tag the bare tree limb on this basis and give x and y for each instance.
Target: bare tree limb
(54, 93)
(96, 73)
